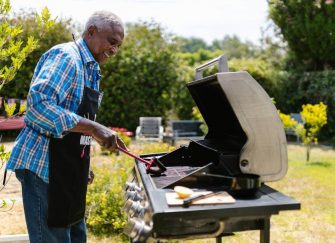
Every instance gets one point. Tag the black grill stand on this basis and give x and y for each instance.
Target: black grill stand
(260, 224)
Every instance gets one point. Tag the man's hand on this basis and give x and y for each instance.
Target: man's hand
(107, 138)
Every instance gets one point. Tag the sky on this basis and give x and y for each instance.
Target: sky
(209, 20)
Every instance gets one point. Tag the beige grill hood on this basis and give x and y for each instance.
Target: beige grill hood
(237, 110)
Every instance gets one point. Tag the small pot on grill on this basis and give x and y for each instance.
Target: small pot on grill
(244, 185)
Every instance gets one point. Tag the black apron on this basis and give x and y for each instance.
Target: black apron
(69, 162)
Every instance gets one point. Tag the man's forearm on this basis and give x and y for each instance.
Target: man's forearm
(85, 126)
(48, 117)
(103, 135)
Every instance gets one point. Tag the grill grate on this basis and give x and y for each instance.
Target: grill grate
(172, 174)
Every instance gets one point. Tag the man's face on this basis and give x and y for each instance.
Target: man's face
(105, 43)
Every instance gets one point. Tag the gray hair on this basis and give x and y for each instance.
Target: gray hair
(102, 20)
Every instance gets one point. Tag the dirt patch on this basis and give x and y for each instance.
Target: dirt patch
(15, 221)
(13, 213)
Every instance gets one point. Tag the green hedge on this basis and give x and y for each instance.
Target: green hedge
(309, 87)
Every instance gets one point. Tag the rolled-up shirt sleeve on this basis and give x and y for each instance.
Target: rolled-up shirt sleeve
(50, 87)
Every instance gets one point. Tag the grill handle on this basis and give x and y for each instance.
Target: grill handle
(222, 62)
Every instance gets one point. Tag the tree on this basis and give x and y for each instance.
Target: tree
(308, 28)
(233, 47)
(192, 44)
(13, 50)
(198, 116)
(182, 100)
(258, 68)
(315, 117)
(59, 33)
(139, 80)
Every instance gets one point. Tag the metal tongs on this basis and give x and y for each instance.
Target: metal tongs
(149, 164)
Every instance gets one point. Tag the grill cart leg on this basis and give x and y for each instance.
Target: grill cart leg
(265, 231)
(219, 238)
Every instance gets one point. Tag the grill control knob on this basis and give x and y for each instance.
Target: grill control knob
(133, 195)
(128, 205)
(137, 230)
(131, 186)
(134, 209)
(147, 214)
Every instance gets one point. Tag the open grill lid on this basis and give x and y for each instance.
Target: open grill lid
(240, 114)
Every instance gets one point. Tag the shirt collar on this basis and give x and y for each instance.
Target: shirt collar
(86, 53)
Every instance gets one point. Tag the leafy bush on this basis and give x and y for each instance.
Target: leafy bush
(105, 196)
(287, 121)
(197, 115)
(10, 108)
(152, 148)
(182, 99)
(124, 134)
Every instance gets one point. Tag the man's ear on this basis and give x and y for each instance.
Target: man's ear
(91, 30)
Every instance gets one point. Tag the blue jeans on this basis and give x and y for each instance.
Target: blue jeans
(35, 202)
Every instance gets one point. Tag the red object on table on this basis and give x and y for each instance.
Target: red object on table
(16, 123)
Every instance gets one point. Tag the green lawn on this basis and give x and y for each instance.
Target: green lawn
(312, 184)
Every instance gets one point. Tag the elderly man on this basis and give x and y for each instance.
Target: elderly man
(51, 154)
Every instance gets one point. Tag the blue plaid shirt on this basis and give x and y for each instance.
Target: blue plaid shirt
(54, 97)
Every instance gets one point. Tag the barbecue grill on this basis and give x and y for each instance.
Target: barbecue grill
(245, 147)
